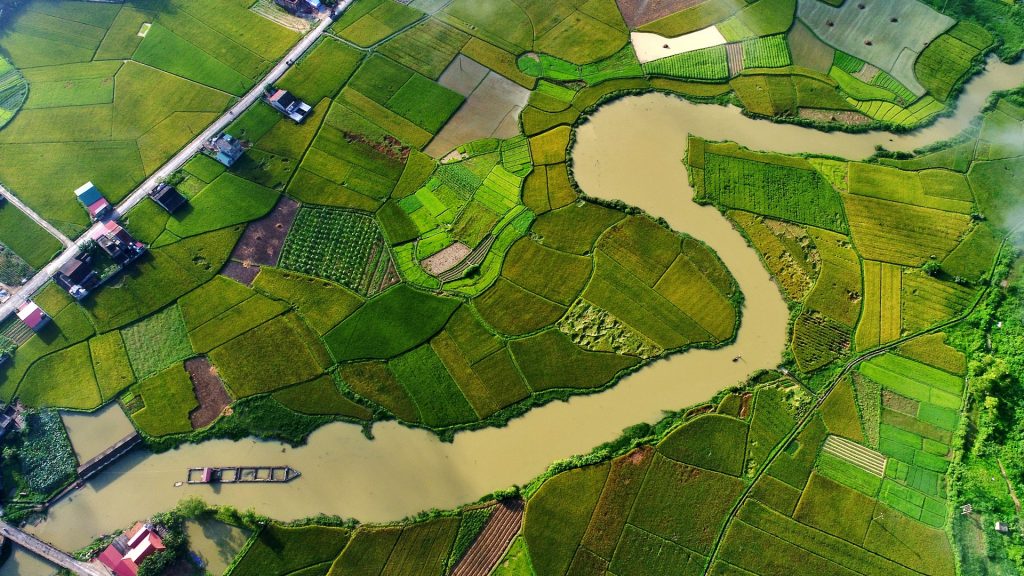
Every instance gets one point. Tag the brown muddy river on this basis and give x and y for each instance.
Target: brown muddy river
(630, 150)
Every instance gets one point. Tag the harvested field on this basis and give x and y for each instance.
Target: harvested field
(240, 272)
(639, 12)
(650, 46)
(446, 259)
(209, 390)
(263, 239)
(491, 110)
(463, 75)
(735, 53)
(493, 541)
(869, 460)
(888, 34)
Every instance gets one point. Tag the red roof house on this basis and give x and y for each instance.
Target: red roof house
(93, 201)
(126, 552)
(121, 246)
(33, 316)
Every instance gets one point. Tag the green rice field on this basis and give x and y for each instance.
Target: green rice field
(342, 272)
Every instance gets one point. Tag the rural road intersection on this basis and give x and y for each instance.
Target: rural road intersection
(172, 165)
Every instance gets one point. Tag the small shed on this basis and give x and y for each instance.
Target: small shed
(1002, 527)
(77, 270)
(93, 201)
(77, 277)
(225, 149)
(33, 316)
(168, 198)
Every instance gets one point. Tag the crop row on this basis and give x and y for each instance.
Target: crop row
(709, 64)
(766, 52)
(332, 244)
(775, 190)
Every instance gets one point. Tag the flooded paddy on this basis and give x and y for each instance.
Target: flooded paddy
(215, 543)
(630, 150)
(92, 433)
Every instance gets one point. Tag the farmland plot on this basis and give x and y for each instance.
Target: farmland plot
(902, 233)
(769, 184)
(889, 35)
(337, 245)
(130, 117)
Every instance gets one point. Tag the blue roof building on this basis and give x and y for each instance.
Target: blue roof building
(93, 201)
(225, 149)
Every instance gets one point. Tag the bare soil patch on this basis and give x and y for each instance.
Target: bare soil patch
(493, 541)
(263, 239)
(867, 73)
(209, 389)
(390, 278)
(240, 272)
(446, 259)
(735, 54)
(491, 110)
(745, 402)
(640, 12)
(848, 117)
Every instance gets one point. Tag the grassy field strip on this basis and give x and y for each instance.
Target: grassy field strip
(35, 217)
(856, 454)
(172, 165)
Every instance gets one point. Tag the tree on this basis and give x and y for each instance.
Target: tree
(192, 507)
(931, 267)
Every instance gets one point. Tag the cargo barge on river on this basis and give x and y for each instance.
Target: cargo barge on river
(241, 474)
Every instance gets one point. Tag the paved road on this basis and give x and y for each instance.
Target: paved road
(31, 214)
(44, 550)
(190, 150)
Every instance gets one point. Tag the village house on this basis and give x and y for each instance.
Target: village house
(77, 276)
(127, 551)
(225, 149)
(305, 8)
(287, 104)
(168, 198)
(93, 201)
(33, 316)
(118, 243)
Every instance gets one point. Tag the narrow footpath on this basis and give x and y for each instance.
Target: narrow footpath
(172, 165)
(36, 217)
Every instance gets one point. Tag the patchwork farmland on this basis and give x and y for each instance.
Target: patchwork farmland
(394, 232)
